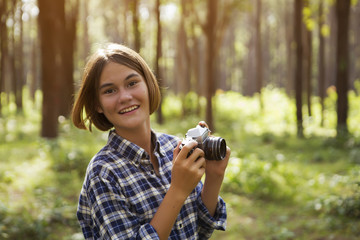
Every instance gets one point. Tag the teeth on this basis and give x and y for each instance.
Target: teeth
(129, 109)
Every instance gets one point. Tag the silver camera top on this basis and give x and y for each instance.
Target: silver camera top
(213, 147)
(198, 133)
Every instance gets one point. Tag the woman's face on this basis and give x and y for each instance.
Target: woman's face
(123, 97)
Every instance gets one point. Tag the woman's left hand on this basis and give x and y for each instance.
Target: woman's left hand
(216, 169)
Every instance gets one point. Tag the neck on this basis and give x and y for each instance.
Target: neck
(141, 136)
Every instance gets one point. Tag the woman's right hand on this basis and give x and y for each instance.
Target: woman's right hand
(185, 175)
(187, 171)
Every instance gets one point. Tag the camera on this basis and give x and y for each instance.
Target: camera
(213, 147)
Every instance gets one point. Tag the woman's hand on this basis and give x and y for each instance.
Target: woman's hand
(214, 176)
(185, 175)
(187, 170)
(216, 169)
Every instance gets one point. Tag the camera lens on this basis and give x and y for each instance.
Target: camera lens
(215, 148)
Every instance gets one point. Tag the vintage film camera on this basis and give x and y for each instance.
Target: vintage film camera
(213, 147)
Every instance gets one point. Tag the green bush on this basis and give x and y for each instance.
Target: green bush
(346, 204)
(267, 180)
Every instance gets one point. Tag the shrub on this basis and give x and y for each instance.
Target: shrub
(261, 179)
(346, 205)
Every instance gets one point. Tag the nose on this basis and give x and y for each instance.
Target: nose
(124, 96)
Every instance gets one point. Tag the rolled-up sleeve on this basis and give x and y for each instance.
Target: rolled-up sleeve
(208, 223)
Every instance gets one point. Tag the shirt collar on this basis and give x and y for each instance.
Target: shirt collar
(157, 145)
(130, 150)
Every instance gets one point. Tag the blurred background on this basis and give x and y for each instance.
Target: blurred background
(278, 79)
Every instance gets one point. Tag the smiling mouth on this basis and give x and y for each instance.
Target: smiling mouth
(129, 109)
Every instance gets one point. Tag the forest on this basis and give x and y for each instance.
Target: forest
(278, 79)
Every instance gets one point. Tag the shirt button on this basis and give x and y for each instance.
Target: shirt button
(180, 225)
(152, 172)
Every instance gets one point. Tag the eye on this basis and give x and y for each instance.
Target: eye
(132, 83)
(109, 91)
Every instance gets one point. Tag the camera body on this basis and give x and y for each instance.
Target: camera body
(213, 147)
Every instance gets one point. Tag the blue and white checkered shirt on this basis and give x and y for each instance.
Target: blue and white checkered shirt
(121, 194)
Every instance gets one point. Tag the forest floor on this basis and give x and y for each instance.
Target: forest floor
(277, 186)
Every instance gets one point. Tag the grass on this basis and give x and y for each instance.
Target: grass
(277, 192)
(276, 187)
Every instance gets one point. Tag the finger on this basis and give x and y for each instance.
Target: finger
(176, 150)
(197, 153)
(186, 149)
(204, 124)
(227, 156)
(228, 152)
(202, 167)
(201, 162)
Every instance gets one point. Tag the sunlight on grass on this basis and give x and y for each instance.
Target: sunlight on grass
(32, 173)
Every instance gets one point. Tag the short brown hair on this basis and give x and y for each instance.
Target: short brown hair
(84, 111)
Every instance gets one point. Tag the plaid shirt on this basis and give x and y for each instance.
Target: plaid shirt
(121, 194)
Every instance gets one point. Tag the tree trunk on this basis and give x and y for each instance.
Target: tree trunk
(289, 50)
(307, 38)
(67, 93)
(33, 83)
(14, 80)
(184, 60)
(85, 38)
(258, 52)
(299, 66)
(51, 33)
(249, 87)
(18, 58)
(4, 48)
(210, 58)
(159, 116)
(136, 31)
(342, 65)
(354, 45)
(330, 73)
(321, 70)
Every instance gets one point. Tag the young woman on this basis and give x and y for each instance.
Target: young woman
(140, 185)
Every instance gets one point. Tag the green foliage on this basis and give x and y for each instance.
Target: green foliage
(345, 205)
(276, 186)
(265, 180)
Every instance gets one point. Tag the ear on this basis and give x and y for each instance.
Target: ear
(99, 109)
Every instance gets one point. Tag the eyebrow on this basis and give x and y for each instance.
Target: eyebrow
(131, 75)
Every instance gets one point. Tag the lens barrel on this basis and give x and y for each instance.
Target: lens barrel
(215, 148)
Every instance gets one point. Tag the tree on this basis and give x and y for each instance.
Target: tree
(210, 34)
(214, 28)
(289, 38)
(298, 66)
(85, 44)
(249, 85)
(184, 60)
(342, 64)
(70, 20)
(17, 55)
(3, 46)
(307, 63)
(135, 17)
(57, 35)
(258, 50)
(321, 76)
(159, 115)
(51, 32)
